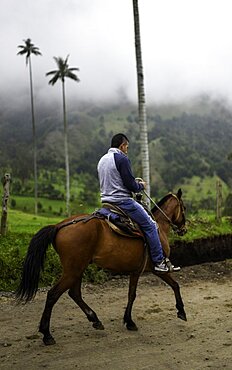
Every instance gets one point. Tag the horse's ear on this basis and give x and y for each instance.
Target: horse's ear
(179, 193)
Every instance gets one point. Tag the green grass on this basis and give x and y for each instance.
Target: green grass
(49, 207)
(204, 225)
(204, 228)
(21, 222)
(196, 188)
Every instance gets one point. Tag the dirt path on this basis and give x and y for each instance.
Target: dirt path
(163, 342)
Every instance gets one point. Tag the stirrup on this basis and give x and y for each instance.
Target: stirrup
(171, 267)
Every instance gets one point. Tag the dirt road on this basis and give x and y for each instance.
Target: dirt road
(163, 342)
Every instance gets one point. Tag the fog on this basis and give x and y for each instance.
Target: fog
(186, 46)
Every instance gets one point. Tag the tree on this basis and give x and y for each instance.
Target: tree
(61, 73)
(141, 99)
(29, 49)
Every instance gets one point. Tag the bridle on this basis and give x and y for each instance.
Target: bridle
(179, 229)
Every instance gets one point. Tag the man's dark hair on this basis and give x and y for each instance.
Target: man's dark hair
(117, 140)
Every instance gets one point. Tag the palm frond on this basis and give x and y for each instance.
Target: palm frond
(71, 75)
(54, 79)
(66, 60)
(36, 52)
(73, 69)
(21, 52)
(21, 46)
(51, 73)
(57, 60)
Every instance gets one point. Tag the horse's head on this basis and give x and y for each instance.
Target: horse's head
(178, 217)
(172, 210)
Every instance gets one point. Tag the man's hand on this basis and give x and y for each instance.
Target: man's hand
(141, 181)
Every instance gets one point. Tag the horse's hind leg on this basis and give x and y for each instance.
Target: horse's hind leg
(175, 286)
(131, 297)
(52, 297)
(75, 294)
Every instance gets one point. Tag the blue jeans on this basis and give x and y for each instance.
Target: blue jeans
(138, 214)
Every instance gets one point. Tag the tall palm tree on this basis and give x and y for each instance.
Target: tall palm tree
(29, 49)
(141, 99)
(61, 73)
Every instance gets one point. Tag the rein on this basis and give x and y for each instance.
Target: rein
(75, 221)
(174, 227)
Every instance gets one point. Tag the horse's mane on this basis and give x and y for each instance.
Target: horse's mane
(161, 202)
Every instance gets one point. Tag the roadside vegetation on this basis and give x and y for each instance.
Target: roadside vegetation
(204, 225)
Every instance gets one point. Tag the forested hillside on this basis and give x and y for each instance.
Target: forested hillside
(192, 146)
(182, 145)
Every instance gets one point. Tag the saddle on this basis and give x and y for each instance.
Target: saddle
(118, 221)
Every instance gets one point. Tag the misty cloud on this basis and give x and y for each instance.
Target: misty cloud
(186, 48)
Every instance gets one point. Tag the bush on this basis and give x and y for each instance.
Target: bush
(95, 275)
(10, 269)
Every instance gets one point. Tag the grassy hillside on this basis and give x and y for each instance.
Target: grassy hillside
(46, 206)
(197, 189)
(26, 223)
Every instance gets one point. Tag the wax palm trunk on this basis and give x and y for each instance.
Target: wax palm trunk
(34, 139)
(141, 100)
(66, 152)
(61, 73)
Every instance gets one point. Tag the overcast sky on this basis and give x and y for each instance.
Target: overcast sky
(186, 45)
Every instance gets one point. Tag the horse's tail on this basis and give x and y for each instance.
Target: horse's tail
(34, 262)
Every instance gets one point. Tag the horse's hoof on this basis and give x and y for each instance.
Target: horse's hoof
(182, 316)
(132, 327)
(49, 341)
(98, 325)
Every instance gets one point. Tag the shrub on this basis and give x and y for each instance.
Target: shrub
(10, 268)
(95, 275)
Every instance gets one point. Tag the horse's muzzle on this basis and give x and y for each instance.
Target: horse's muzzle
(182, 231)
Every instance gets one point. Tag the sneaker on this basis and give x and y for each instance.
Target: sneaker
(171, 267)
(161, 267)
(175, 268)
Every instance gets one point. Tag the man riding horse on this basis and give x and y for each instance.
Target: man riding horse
(117, 184)
(84, 239)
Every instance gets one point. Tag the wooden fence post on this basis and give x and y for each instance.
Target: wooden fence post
(219, 201)
(6, 193)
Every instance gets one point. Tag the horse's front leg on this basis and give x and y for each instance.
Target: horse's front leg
(175, 286)
(131, 297)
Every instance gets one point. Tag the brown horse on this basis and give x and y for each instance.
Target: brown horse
(80, 243)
